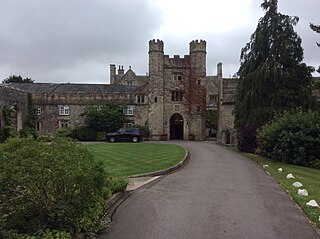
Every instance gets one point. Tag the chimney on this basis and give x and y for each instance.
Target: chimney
(120, 71)
(112, 74)
(219, 70)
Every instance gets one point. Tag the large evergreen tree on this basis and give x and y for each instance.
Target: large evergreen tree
(272, 75)
(316, 28)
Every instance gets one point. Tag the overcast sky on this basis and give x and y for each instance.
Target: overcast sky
(76, 40)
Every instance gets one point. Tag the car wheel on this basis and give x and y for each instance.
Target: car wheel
(112, 139)
(135, 139)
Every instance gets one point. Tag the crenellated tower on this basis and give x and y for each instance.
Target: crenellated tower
(197, 90)
(156, 87)
(198, 57)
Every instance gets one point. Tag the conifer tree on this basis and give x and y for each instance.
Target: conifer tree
(316, 28)
(273, 77)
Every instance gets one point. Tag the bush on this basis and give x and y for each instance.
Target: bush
(84, 133)
(117, 184)
(247, 138)
(55, 187)
(8, 132)
(293, 138)
(64, 132)
(101, 136)
(145, 131)
(45, 138)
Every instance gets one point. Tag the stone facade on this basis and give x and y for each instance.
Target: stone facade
(171, 99)
(227, 91)
(177, 92)
(18, 100)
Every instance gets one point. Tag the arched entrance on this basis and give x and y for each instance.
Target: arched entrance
(176, 127)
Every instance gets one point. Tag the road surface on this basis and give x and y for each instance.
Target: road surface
(218, 194)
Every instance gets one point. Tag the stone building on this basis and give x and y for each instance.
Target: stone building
(18, 100)
(171, 99)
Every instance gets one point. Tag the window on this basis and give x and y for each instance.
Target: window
(155, 99)
(176, 77)
(176, 96)
(64, 110)
(139, 99)
(213, 98)
(126, 125)
(39, 125)
(38, 110)
(64, 124)
(128, 110)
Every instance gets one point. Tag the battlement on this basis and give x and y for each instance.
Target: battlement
(156, 45)
(198, 46)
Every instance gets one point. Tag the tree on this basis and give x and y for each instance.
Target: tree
(272, 75)
(212, 119)
(17, 79)
(106, 118)
(316, 28)
(29, 127)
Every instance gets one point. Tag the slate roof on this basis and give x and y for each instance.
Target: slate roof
(55, 88)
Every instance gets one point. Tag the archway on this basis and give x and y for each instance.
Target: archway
(176, 127)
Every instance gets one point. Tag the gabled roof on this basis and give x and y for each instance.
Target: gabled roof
(54, 88)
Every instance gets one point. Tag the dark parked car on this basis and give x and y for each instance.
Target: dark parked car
(125, 134)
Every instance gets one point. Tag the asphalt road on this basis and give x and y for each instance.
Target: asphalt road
(218, 194)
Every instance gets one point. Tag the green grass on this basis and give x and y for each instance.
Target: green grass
(310, 178)
(127, 159)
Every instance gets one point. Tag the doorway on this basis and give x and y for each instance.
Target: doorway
(176, 127)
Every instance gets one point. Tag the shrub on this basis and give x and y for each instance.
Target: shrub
(8, 132)
(55, 187)
(64, 132)
(84, 133)
(145, 131)
(45, 138)
(293, 138)
(247, 138)
(101, 136)
(117, 184)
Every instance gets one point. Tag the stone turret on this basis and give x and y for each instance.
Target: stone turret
(156, 85)
(156, 46)
(198, 46)
(198, 57)
(198, 93)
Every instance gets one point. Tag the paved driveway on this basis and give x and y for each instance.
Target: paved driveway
(219, 194)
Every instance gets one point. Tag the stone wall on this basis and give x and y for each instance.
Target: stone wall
(227, 91)
(49, 121)
(17, 99)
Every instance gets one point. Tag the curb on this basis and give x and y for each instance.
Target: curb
(117, 199)
(166, 171)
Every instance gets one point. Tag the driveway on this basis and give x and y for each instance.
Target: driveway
(218, 194)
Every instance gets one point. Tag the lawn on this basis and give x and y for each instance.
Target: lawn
(127, 159)
(310, 178)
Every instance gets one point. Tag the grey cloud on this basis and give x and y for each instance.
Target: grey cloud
(75, 41)
(54, 36)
